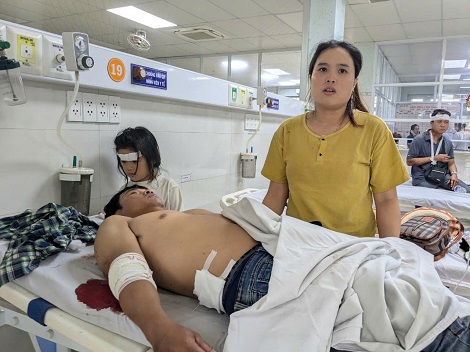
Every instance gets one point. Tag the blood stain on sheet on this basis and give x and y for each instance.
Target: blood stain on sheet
(97, 295)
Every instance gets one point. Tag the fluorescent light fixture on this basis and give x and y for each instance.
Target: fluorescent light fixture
(296, 81)
(464, 87)
(287, 83)
(417, 100)
(451, 76)
(276, 71)
(236, 64)
(268, 76)
(134, 14)
(454, 63)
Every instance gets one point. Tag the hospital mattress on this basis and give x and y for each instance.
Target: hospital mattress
(409, 196)
(452, 268)
(72, 282)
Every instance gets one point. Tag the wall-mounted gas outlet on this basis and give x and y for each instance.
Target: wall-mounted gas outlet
(77, 52)
(75, 112)
(232, 94)
(26, 48)
(261, 95)
(53, 63)
(242, 96)
(250, 98)
(102, 108)
(114, 104)
(89, 107)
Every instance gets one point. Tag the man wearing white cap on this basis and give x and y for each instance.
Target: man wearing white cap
(432, 163)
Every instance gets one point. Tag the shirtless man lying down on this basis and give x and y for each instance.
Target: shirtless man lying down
(143, 246)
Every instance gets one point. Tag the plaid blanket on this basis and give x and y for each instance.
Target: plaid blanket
(36, 235)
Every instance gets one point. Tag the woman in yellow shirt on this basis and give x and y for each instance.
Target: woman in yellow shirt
(330, 163)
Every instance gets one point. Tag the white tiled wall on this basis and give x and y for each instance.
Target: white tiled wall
(204, 142)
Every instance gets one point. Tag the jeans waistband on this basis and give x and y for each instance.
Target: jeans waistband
(231, 283)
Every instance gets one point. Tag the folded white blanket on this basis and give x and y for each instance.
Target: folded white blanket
(333, 290)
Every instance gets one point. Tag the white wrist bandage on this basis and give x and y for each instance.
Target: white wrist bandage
(127, 268)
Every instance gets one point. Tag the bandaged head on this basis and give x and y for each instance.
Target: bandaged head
(130, 156)
(440, 114)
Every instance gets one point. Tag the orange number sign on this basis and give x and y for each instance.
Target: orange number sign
(116, 70)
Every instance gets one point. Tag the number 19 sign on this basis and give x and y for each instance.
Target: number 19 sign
(116, 70)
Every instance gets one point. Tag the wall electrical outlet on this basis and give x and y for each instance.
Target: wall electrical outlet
(102, 108)
(89, 107)
(75, 112)
(251, 123)
(185, 178)
(114, 104)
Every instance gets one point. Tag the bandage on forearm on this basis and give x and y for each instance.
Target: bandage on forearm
(127, 268)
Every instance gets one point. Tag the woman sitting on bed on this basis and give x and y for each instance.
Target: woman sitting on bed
(145, 245)
(329, 163)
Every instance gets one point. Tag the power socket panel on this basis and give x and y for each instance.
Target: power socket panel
(75, 113)
(102, 108)
(251, 123)
(114, 104)
(89, 107)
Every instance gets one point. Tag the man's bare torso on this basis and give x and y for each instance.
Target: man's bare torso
(176, 244)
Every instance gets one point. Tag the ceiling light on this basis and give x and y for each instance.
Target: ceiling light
(276, 71)
(417, 100)
(236, 64)
(451, 76)
(464, 87)
(287, 83)
(134, 14)
(454, 63)
(268, 76)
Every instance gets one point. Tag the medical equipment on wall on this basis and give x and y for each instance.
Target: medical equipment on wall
(75, 180)
(75, 185)
(11, 83)
(248, 159)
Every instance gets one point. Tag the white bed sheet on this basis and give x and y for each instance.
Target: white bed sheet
(56, 281)
(458, 204)
(451, 268)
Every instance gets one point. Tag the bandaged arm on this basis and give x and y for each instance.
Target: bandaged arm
(138, 298)
(119, 256)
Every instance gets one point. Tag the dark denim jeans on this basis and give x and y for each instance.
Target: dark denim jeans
(456, 338)
(248, 280)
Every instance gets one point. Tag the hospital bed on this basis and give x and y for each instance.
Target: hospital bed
(85, 316)
(453, 269)
(409, 196)
(458, 204)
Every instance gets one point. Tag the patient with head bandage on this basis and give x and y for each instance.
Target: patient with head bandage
(230, 262)
(139, 161)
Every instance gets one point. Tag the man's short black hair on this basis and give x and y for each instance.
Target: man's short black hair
(441, 112)
(113, 205)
